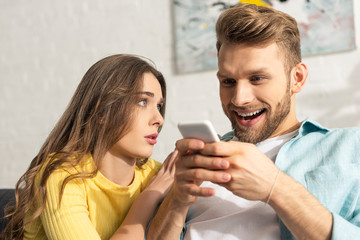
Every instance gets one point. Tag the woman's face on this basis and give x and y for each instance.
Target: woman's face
(141, 137)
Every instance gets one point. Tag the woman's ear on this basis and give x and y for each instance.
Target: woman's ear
(299, 75)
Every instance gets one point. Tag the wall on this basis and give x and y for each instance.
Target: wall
(46, 47)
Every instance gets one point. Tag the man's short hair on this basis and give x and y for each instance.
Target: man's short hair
(254, 25)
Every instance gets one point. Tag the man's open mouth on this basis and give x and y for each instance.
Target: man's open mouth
(250, 115)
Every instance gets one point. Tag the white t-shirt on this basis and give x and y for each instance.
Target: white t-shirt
(226, 216)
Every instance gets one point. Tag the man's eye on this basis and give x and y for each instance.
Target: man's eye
(143, 102)
(256, 78)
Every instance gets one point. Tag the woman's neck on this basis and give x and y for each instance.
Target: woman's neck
(118, 170)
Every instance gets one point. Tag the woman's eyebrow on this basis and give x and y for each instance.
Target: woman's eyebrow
(150, 94)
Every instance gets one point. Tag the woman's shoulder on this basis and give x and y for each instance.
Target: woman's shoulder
(149, 169)
(63, 171)
(151, 165)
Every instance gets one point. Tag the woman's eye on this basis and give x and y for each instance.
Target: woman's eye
(159, 107)
(143, 103)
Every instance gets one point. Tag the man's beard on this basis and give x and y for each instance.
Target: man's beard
(271, 123)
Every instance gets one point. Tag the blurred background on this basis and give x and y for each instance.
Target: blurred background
(47, 46)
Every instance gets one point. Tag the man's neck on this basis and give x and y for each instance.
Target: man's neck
(287, 126)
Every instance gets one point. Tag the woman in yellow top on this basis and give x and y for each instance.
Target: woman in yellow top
(93, 178)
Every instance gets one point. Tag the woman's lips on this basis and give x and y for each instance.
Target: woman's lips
(151, 138)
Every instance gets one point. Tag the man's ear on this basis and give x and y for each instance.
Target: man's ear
(298, 76)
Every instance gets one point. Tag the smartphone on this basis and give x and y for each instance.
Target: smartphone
(202, 130)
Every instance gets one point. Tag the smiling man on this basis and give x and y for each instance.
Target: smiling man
(272, 177)
(256, 91)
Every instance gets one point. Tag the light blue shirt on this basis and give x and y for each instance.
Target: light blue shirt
(327, 163)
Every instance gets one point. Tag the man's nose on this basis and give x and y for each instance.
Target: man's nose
(243, 94)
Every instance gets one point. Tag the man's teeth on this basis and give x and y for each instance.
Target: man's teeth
(249, 114)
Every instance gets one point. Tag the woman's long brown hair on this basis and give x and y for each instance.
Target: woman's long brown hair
(98, 116)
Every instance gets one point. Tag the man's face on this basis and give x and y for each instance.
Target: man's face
(255, 91)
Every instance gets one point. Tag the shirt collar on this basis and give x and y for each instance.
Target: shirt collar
(309, 125)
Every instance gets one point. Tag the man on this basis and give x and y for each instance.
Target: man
(272, 177)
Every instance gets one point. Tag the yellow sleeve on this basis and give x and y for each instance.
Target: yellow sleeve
(70, 220)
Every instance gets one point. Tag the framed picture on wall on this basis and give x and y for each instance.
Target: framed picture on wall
(326, 26)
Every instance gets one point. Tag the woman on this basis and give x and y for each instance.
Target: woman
(84, 181)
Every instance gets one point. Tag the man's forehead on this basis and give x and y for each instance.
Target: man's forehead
(256, 58)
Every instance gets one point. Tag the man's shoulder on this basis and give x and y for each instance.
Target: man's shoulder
(345, 136)
(315, 140)
(311, 127)
(352, 131)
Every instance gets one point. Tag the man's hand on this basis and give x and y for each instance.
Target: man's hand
(192, 169)
(239, 167)
(252, 173)
(253, 176)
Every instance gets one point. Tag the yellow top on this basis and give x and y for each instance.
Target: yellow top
(92, 208)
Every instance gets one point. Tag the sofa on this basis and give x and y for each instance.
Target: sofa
(7, 197)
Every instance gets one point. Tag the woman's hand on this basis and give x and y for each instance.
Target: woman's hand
(163, 180)
(140, 213)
